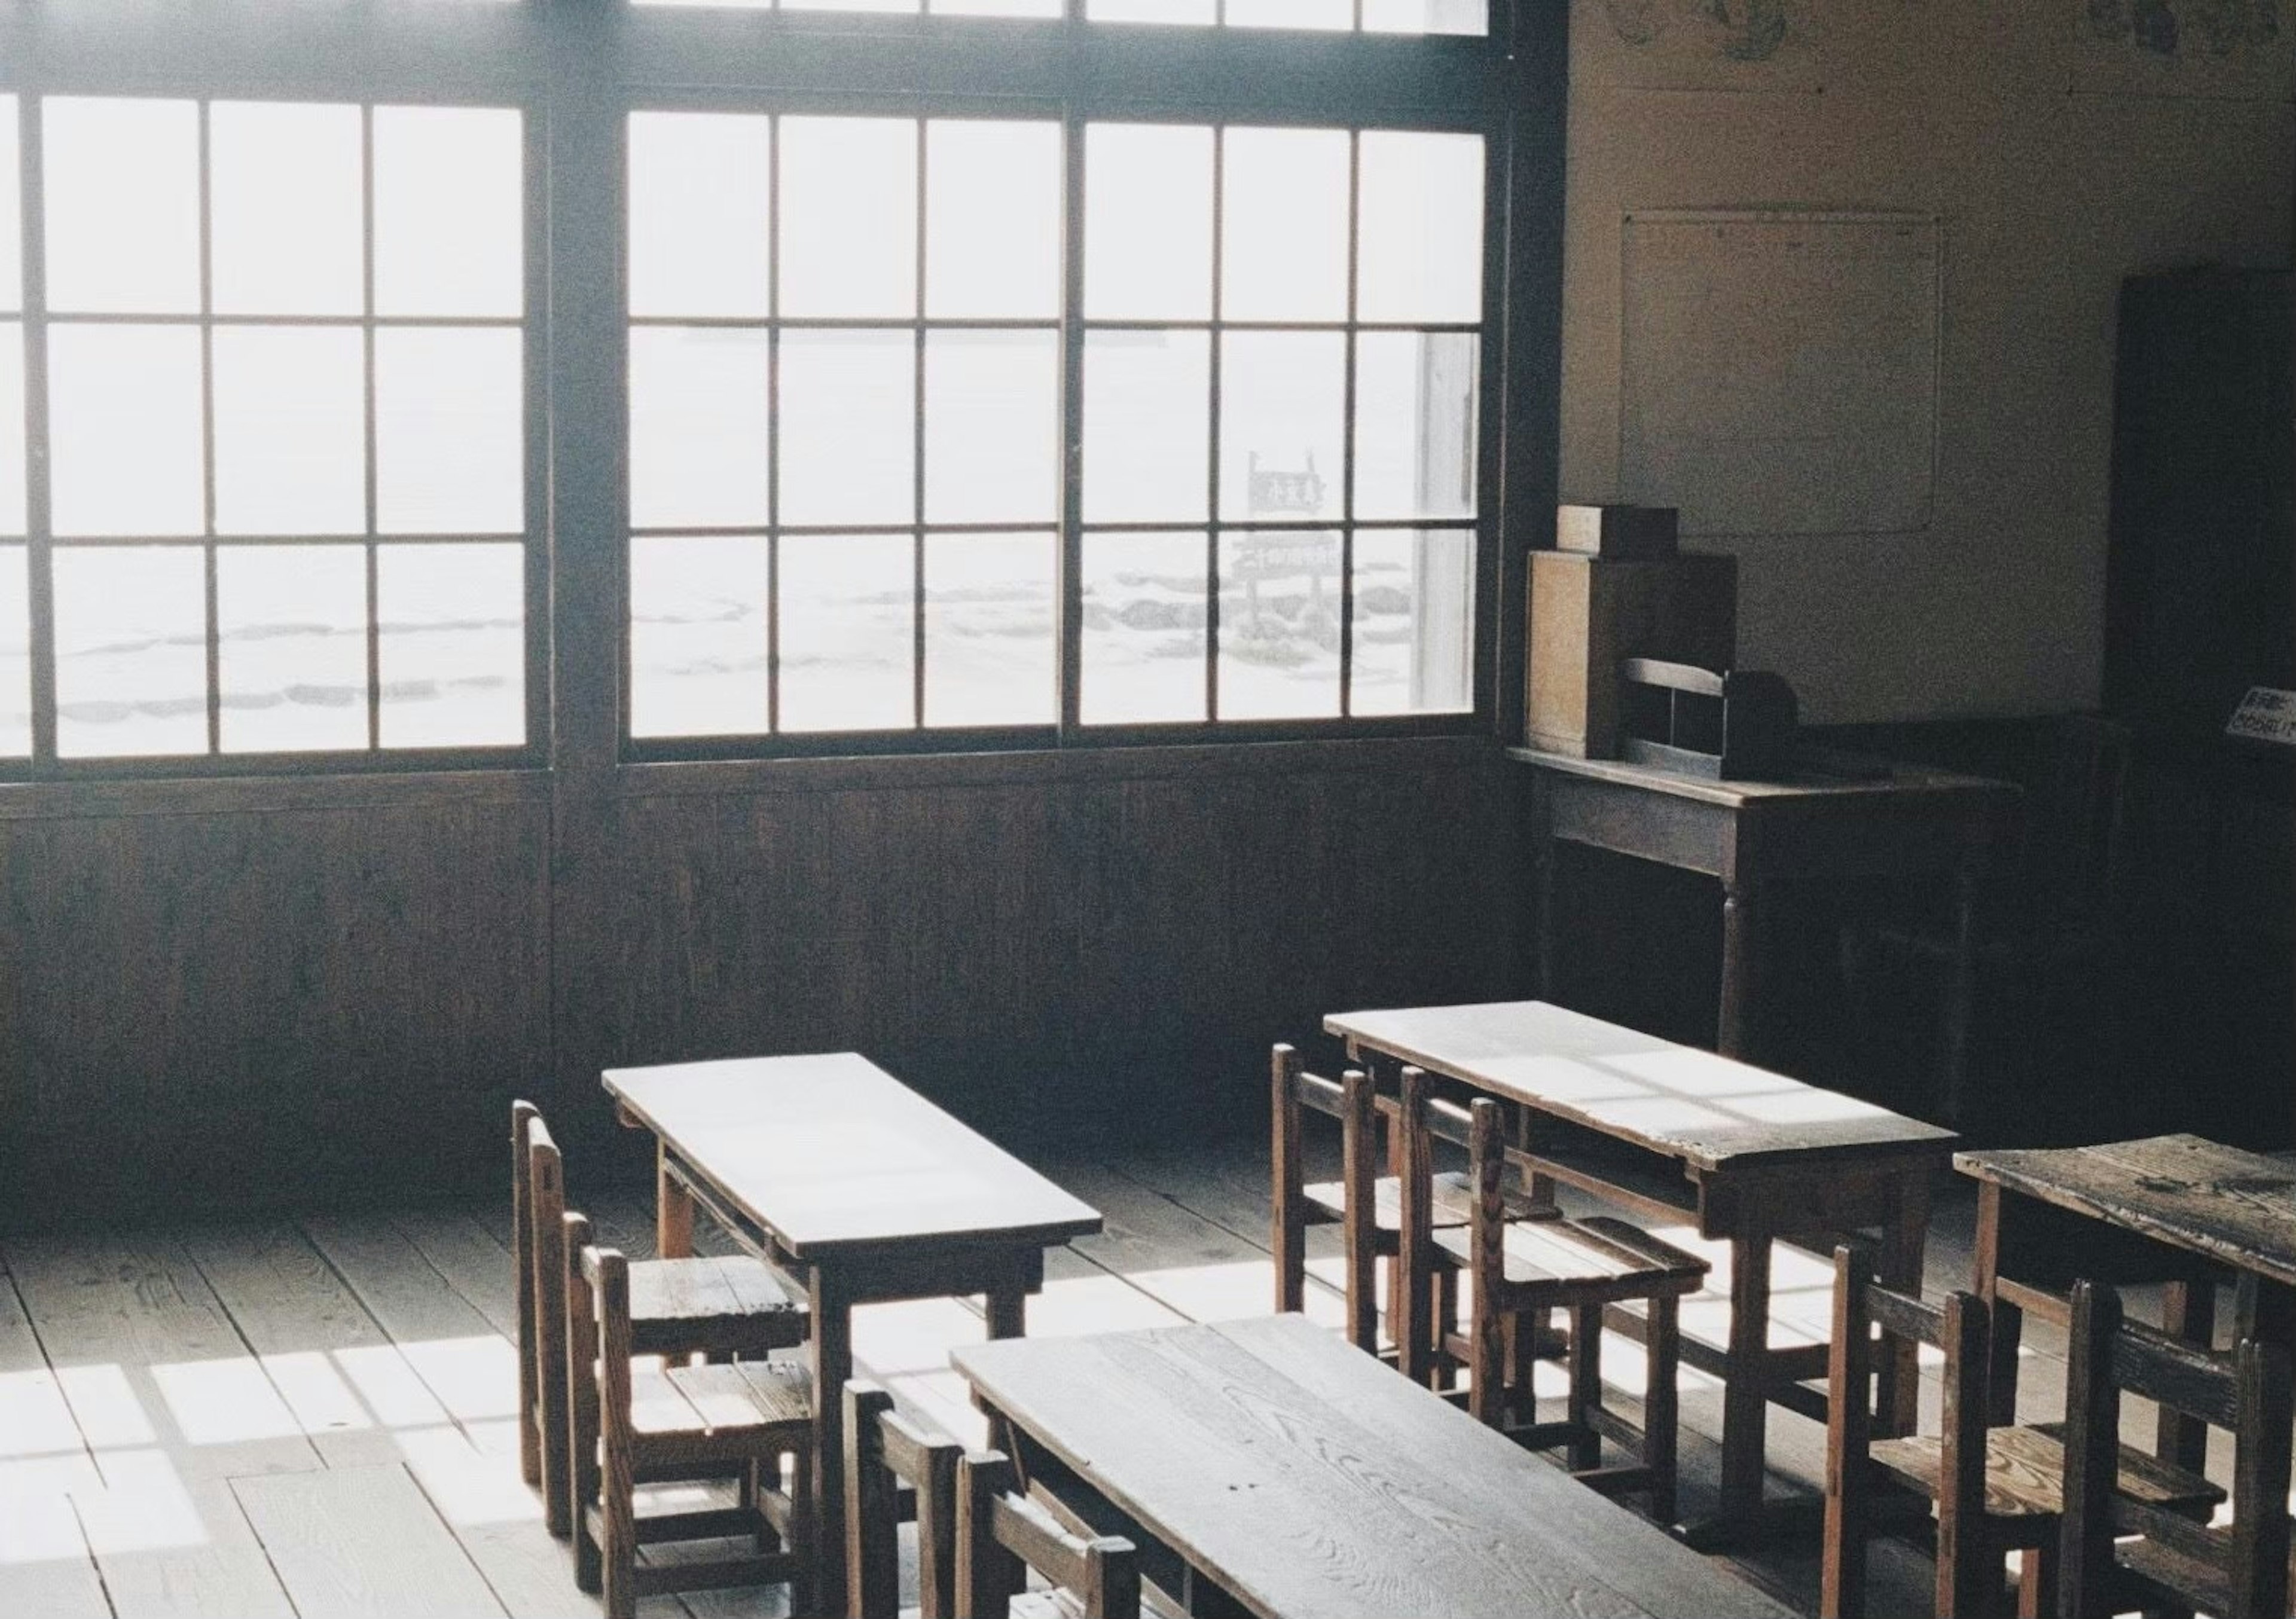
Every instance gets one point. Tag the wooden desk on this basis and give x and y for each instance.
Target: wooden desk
(1267, 1468)
(1743, 1155)
(857, 1190)
(1753, 835)
(2199, 1210)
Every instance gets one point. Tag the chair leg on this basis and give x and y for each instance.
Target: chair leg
(2037, 1583)
(805, 1582)
(618, 1552)
(1586, 1384)
(1662, 1396)
(1487, 1366)
(1441, 1372)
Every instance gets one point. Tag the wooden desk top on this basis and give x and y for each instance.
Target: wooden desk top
(831, 1153)
(1814, 788)
(2185, 1190)
(1711, 1112)
(1313, 1483)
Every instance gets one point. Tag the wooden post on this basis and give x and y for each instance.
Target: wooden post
(987, 1575)
(2259, 1483)
(1411, 1301)
(1661, 1404)
(522, 1114)
(1969, 1577)
(618, 1488)
(1841, 1580)
(1487, 1398)
(673, 1212)
(830, 1353)
(1290, 1227)
(1359, 1217)
(581, 1376)
(2085, 1537)
(873, 1565)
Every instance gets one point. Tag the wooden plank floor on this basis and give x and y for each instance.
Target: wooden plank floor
(316, 1416)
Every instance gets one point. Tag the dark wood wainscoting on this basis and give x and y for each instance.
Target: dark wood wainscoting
(213, 996)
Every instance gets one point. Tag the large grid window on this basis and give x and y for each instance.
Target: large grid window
(1281, 349)
(15, 607)
(844, 424)
(1320, 16)
(284, 509)
(850, 509)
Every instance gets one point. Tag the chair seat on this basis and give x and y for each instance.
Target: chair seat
(711, 1305)
(1584, 1253)
(737, 1399)
(2025, 1473)
(1452, 1201)
(1047, 1604)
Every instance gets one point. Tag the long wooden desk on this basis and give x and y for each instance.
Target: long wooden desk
(857, 1190)
(1270, 1470)
(1685, 1137)
(2188, 1209)
(1753, 836)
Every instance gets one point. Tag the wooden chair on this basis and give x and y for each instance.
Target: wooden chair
(1523, 1269)
(1001, 1533)
(1365, 1203)
(681, 1422)
(884, 1452)
(2238, 1569)
(679, 1308)
(1993, 1490)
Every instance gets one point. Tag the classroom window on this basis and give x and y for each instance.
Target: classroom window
(850, 511)
(285, 503)
(1319, 16)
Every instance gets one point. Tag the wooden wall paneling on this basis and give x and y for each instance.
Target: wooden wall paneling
(247, 1009)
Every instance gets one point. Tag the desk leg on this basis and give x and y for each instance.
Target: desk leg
(2008, 1319)
(1543, 870)
(1740, 941)
(831, 1352)
(1897, 1385)
(1007, 1310)
(2188, 1311)
(1745, 1386)
(673, 1210)
(1960, 995)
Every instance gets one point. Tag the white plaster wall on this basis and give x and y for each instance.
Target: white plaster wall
(2047, 198)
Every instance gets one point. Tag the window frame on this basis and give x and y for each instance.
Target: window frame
(575, 69)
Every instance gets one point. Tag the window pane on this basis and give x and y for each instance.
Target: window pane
(1283, 246)
(1420, 227)
(848, 427)
(12, 223)
(290, 430)
(991, 654)
(290, 627)
(1279, 631)
(122, 180)
(449, 212)
(11, 428)
(1283, 402)
(16, 654)
(1146, 422)
(1143, 627)
(1338, 15)
(848, 633)
(1147, 222)
(848, 225)
(992, 427)
(992, 218)
(450, 435)
(1415, 424)
(697, 647)
(697, 444)
(1152, 11)
(1414, 622)
(700, 213)
(848, 5)
(131, 651)
(125, 452)
(1426, 17)
(287, 202)
(453, 648)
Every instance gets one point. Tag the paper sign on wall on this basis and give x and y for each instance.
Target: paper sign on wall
(2265, 715)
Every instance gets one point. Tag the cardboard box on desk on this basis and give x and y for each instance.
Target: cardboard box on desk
(1585, 614)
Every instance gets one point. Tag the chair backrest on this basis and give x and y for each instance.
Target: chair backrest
(999, 1531)
(541, 1257)
(884, 1449)
(1960, 1328)
(1347, 1098)
(598, 1322)
(2240, 1569)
